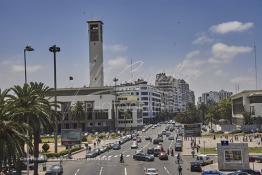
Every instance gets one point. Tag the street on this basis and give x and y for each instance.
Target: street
(108, 163)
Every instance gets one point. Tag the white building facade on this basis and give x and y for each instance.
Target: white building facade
(249, 101)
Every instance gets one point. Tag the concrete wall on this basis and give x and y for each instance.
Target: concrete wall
(224, 165)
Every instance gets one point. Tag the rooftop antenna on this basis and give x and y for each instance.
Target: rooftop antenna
(255, 55)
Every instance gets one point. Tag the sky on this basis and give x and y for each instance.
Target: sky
(210, 44)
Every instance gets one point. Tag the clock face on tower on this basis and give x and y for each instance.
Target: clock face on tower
(94, 32)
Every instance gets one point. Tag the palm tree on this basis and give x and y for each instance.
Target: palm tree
(78, 113)
(30, 104)
(12, 133)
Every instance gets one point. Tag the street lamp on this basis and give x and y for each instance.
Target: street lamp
(115, 80)
(27, 49)
(55, 49)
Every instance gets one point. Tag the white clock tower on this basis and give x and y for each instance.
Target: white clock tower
(95, 30)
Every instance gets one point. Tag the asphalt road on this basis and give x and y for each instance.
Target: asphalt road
(108, 163)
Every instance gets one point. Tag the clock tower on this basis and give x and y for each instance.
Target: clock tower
(95, 30)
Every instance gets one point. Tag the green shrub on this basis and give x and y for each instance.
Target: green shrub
(61, 153)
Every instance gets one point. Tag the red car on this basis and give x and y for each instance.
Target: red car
(163, 156)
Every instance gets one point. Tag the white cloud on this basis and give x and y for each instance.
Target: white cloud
(203, 39)
(219, 72)
(118, 62)
(192, 54)
(231, 26)
(222, 53)
(29, 68)
(116, 48)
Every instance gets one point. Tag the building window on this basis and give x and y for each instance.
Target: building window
(99, 124)
(255, 99)
(91, 124)
(144, 93)
(75, 125)
(137, 93)
(143, 87)
(67, 126)
(238, 107)
(144, 98)
(145, 113)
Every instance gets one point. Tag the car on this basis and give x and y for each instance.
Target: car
(91, 154)
(143, 130)
(150, 151)
(148, 138)
(143, 157)
(255, 158)
(164, 132)
(157, 151)
(104, 149)
(211, 172)
(116, 146)
(178, 146)
(151, 171)
(55, 170)
(98, 151)
(238, 173)
(249, 171)
(156, 141)
(168, 134)
(204, 159)
(153, 127)
(171, 137)
(163, 156)
(195, 167)
(134, 145)
(160, 139)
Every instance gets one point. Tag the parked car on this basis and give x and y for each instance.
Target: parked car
(211, 172)
(116, 146)
(163, 156)
(97, 150)
(55, 170)
(143, 157)
(249, 171)
(204, 159)
(91, 154)
(238, 173)
(151, 171)
(195, 166)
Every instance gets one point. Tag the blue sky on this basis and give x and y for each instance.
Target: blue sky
(208, 43)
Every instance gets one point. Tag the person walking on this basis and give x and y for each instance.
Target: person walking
(179, 170)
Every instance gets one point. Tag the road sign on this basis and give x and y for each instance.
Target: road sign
(192, 130)
(71, 137)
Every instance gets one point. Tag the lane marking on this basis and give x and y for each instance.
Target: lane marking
(115, 155)
(127, 155)
(125, 171)
(101, 171)
(166, 170)
(109, 156)
(77, 171)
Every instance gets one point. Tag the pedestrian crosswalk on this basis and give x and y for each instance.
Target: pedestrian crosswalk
(104, 157)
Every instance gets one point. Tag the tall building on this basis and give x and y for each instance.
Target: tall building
(95, 29)
(149, 96)
(214, 96)
(178, 93)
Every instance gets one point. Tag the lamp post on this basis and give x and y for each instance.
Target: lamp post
(27, 49)
(55, 49)
(115, 81)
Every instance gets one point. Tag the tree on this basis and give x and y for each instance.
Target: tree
(225, 109)
(78, 112)
(12, 133)
(31, 105)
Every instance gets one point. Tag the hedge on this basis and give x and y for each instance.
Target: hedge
(62, 153)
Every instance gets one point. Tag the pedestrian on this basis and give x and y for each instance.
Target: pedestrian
(167, 151)
(193, 153)
(180, 169)
(172, 152)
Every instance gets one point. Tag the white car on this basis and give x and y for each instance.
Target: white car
(143, 130)
(134, 145)
(151, 171)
